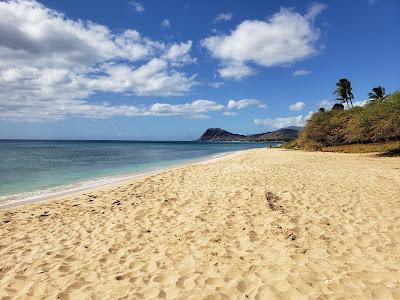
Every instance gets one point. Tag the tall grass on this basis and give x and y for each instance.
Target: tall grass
(378, 121)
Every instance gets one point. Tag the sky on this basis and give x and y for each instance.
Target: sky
(168, 70)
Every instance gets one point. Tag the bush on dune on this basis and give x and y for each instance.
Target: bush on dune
(378, 121)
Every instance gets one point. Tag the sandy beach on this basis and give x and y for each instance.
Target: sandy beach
(259, 224)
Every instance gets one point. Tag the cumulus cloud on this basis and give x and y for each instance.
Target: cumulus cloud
(296, 106)
(138, 6)
(197, 109)
(223, 17)
(282, 122)
(284, 38)
(243, 103)
(178, 54)
(50, 61)
(165, 24)
(301, 73)
(235, 71)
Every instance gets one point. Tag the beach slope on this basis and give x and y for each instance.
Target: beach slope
(262, 224)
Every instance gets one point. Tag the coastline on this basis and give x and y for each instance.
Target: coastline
(101, 182)
(257, 224)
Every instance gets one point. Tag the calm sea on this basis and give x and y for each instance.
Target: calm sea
(29, 168)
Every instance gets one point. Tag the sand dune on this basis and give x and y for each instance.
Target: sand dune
(263, 224)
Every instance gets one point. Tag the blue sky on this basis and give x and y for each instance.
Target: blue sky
(168, 70)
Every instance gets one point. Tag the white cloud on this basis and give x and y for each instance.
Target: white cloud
(361, 103)
(57, 110)
(326, 103)
(243, 103)
(282, 122)
(53, 63)
(138, 6)
(235, 71)
(230, 113)
(198, 117)
(263, 106)
(297, 106)
(216, 84)
(165, 24)
(223, 17)
(195, 108)
(284, 38)
(301, 73)
(150, 79)
(314, 10)
(178, 54)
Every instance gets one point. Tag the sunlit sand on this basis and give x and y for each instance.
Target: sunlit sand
(260, 224)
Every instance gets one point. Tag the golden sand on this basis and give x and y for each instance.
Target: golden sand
(263, 224)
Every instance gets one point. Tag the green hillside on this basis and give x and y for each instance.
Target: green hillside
(377, 122)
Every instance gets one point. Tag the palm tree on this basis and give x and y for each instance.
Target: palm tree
(378, 93)
(343, 91)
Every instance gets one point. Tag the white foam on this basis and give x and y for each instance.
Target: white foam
(44, 194)
(219, 154)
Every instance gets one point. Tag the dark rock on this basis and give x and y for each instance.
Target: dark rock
(218, 134)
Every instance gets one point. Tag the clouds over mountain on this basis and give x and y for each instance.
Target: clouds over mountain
(284, 38)
(281, 122)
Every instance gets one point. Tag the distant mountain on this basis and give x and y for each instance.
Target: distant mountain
(298, 128)
(218, 134)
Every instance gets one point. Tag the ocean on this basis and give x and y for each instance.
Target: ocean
(33, 168)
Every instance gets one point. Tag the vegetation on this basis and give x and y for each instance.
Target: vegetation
(378, 93)
(344, 91)
(338, 106)
(376, 122)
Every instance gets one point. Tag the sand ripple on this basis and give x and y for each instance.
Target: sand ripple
(266, 224)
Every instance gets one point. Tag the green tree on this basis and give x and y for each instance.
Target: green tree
(378, 93)
(344, 91)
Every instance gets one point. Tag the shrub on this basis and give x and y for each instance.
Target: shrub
(378, 121)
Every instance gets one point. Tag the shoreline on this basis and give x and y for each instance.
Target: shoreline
(103, 182)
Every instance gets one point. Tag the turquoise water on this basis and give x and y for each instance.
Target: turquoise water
(31, 166)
